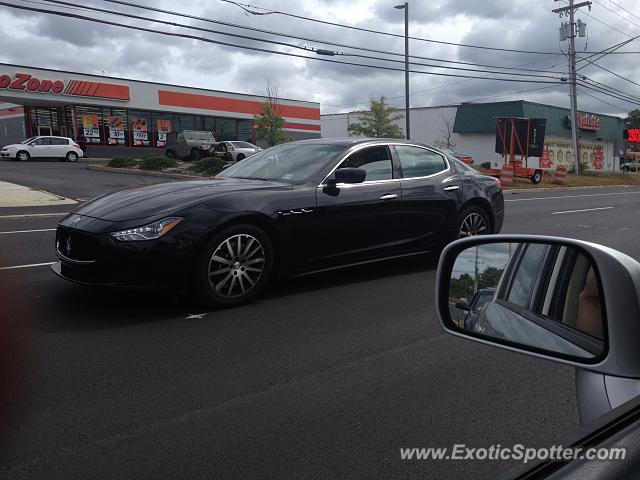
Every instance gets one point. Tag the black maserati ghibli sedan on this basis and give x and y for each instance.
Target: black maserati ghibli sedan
(293, 209)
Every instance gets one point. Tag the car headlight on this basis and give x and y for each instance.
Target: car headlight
(146, 232)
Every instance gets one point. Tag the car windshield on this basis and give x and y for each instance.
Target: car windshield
(242, 145)
(289, 163)
(28, 140)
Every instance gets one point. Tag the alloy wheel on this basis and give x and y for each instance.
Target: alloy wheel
(23, 156)
(236, 266)
(473, 224)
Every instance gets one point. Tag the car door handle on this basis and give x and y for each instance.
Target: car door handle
(389, 196)
(451, 188)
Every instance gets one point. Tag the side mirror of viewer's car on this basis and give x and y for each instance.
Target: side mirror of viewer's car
(559, 299)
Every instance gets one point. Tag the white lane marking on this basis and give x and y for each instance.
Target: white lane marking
(33, 215)
(195, 316)
(583, 210)
(14, 267)
(570, 196)
(14, 195)
(29, 231)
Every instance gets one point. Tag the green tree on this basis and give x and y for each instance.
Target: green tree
(378, 121)
(269, 124)
(490, 277)
(633, 119)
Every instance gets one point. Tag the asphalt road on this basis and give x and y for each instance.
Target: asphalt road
(324, 377)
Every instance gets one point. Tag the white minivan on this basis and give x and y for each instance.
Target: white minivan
(43, 147)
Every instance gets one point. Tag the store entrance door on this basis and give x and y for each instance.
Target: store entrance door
(44, 130)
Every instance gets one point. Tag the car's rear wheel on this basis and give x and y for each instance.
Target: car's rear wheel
(536, 177)
(195, 155)
(235, 266)
(472, 221)
(625, 169)
(23, 156)
(72, 157)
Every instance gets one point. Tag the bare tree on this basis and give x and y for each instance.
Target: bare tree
(446, 133)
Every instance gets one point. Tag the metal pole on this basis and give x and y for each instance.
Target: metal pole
(572, 89)
(406, 69)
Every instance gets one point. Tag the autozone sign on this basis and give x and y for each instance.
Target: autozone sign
(29, 83)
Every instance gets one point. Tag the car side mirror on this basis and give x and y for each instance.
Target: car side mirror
(560, 299)
(462, 304)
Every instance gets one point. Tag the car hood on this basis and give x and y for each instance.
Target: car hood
(14, 145)
(147, 201)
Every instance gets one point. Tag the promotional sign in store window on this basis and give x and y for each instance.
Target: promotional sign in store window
(560, 153)
(140, 132)
(91, 127)
(164, 127)
(116, 129)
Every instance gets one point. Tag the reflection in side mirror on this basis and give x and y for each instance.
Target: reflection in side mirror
(543, 297)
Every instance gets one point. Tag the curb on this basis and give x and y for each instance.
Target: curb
(557, 189)
(130, 171)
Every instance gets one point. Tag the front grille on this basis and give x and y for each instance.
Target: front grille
(75, 245)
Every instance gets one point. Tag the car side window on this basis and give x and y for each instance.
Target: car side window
(419, 162)
(180, 137)
(376, 161)
(43, 141)
(522, 286)
(59, 141)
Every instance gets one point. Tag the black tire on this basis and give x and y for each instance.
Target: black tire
(23, 156)
(195, 155)
(240, 157)
(225, 280)
(72, 157)
(536, 177)
(474, 220)
(625, 169)
(170, 154)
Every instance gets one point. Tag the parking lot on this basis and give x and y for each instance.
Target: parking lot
(323, 377)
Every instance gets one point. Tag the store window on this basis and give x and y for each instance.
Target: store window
(115, 126)
(185, 122)
(162, 126)
(210, 125)
(226, 129)
(139, 122)
(244, 130)
(90, 124)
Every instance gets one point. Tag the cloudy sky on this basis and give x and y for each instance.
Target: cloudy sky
(41, 40)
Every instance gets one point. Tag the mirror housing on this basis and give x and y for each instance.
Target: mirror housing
(620, 291)
(346, 175)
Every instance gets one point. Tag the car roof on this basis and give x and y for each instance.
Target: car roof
(351, 141)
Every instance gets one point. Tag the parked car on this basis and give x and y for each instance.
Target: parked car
(190, 144)
(293, 209)
(43, 147)
(236, 150)
(571, 302)
(631, 165)
(472, 308)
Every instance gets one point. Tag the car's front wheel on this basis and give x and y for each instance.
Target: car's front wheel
(72, 157)
(625, 169)
(472, 221)
(239, 157)
(235, 266)
(23, 156)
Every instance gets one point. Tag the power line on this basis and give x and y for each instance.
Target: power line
(613, 73)
(620, 6)
(511, 93)
(258, 49)
(246, 37)
(609, 93)
(616, 13)
(246, 8)
(583, 92)
(297, 37)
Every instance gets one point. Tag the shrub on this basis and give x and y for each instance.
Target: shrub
(121, 162)
(208, 166)
(157, 162)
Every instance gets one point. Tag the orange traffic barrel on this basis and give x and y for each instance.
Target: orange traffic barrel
(560, 175)
(506, 176)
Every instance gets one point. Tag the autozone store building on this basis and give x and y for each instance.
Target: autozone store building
(123, 117)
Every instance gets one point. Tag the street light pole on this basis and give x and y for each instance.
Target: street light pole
(405, 7)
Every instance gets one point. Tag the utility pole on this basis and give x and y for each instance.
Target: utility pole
(405, 7)
(569, 31)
